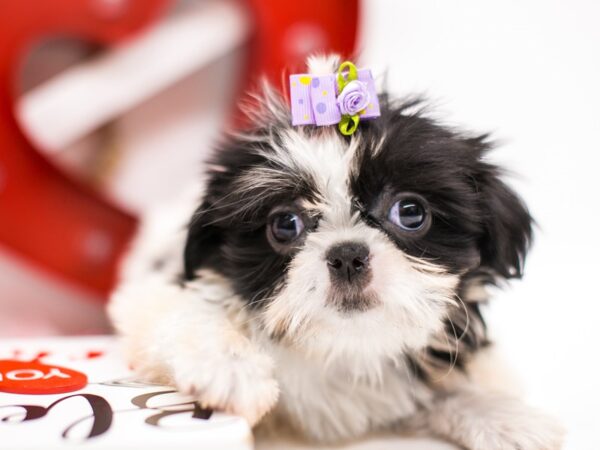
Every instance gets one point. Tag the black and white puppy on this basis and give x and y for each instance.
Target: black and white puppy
(333, 284)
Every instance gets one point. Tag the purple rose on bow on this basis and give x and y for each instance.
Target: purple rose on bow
(353, 98)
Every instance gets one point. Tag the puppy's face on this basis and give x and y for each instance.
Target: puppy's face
(359, 247)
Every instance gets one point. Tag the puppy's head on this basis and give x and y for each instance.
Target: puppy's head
(355, 248)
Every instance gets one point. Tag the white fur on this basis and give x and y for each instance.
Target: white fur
(323, 64)
(328, 404)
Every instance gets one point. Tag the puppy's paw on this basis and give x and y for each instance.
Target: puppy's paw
(240, 384)
(522, 429)
(496, 422)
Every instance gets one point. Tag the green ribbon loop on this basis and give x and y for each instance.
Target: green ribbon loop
(347, 73)
(348, 124)
(352, 74)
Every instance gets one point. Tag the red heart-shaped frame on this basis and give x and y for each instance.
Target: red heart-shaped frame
(54, 220)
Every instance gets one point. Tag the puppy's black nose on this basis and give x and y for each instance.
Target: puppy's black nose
(348, 261)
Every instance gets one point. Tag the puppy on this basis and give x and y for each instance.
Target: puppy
(333, 284)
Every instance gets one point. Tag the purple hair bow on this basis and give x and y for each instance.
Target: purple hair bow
(343, 98)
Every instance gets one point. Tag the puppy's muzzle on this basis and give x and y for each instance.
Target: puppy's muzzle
(348, 263)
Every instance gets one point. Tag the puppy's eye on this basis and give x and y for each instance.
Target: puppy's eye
(408, 213)
(286, 226)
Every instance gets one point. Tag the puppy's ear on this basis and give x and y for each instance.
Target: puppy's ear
(203, 240)
(507, 225)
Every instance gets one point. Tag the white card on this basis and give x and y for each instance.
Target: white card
(113, 411)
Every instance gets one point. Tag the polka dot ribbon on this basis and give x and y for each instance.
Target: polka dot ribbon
(344, 98)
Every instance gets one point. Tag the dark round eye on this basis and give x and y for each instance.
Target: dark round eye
(286, 226)
(408, 213)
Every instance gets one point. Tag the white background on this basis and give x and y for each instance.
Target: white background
(529, 71)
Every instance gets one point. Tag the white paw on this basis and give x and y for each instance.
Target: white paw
(525, 429)
(240, 384)
(496, 422)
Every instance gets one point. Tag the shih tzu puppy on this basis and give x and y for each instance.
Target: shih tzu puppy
(331, 282)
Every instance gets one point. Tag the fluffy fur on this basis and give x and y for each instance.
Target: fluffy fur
(213, 303)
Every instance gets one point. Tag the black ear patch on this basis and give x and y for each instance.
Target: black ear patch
(507, 225)
(203, 240)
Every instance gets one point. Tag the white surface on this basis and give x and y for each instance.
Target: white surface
(387, 442)
(530, 72)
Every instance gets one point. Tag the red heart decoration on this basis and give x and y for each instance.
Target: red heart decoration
(35, 378)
